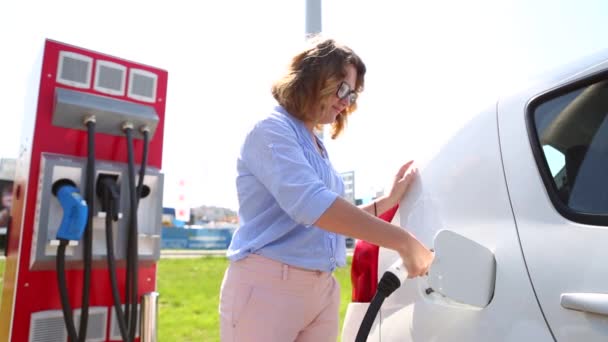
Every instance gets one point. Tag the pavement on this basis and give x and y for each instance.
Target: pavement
(191, 253)
(180, 253)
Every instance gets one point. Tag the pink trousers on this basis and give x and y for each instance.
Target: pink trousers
(266, 300)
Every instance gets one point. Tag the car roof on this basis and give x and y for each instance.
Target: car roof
(568, 72)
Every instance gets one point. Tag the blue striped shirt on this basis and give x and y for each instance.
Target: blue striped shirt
(284, 185)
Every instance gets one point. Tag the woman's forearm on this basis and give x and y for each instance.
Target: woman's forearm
(346, 219)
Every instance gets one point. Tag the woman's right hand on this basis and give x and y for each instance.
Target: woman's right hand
(416, 257)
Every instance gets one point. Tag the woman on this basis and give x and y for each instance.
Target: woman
(279, 285)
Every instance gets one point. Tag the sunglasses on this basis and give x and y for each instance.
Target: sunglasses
(344, 91)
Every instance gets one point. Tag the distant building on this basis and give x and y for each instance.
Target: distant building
(379, 193)
(7, 168)
(349, 186)
(349, 194)
(169, 219)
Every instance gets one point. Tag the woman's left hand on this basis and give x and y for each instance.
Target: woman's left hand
(402, 182)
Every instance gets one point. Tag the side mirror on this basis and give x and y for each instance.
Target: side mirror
(463, 271)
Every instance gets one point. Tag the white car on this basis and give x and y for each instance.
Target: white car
(528, 180)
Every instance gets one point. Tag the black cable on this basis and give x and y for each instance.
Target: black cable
(88, 233)
(129, 271)
(387, 285)
(68, 318)
(132, 250)
(370, 317)
(120, 316)
(135, 193)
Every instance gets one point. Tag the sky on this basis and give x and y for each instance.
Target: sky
(431, 66)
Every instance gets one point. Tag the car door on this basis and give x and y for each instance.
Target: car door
(554, 141)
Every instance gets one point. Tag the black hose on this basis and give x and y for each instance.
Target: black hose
(120, 316)
(132, 249)
(370, 317)
(387, 285)
(68, 318)
(88, 233)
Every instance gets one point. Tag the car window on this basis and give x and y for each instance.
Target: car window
(571, 138)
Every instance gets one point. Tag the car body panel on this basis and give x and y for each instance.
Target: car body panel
(562, 256)
(463, 190)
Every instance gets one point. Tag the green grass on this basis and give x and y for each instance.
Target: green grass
(1, 276)
(189, 297)
(343, 277)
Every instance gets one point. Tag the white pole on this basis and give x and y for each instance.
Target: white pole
(313, 26)
(313, 17)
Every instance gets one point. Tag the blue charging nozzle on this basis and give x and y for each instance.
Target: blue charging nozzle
(75, 210)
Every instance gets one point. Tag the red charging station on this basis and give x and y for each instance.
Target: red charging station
(93, 123)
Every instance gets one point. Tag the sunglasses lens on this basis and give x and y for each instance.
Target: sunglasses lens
(352, 98)
(343, 90)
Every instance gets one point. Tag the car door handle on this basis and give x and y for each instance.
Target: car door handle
(596, 303)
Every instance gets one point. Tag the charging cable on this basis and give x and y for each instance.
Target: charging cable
(90, 122)
(109, 192)
(136, 191)
(71, 228)
(391, 280)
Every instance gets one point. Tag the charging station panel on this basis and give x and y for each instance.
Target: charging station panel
(111, 113)
(49, 213)
(71, 87)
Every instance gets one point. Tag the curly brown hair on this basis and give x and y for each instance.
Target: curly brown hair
(313, 76)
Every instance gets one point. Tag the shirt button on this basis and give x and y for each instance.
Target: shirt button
(332, 259)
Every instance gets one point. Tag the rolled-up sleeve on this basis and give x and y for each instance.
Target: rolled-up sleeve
(274, 156)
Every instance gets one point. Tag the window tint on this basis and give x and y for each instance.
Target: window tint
(572, 135)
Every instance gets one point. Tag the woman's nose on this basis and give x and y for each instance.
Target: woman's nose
(345, 101)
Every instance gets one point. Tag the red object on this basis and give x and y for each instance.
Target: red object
(26, 291)
(364, 268)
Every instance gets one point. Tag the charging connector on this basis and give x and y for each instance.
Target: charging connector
(75, 210)
(108, 183)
